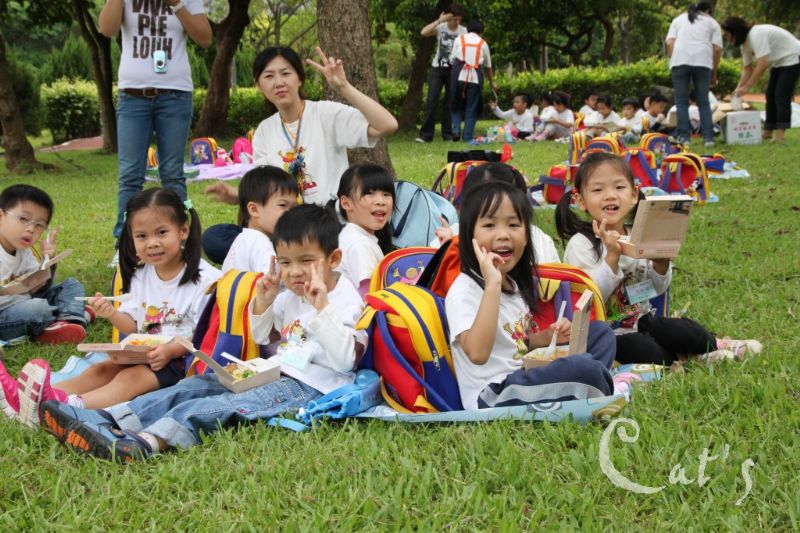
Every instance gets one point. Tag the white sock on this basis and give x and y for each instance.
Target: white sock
(74, 400)
(152, 441)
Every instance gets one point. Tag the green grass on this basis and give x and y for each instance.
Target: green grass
(738, 272)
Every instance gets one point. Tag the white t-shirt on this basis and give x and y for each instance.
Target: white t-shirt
(514, 325)
(694, 116)
(544, 249)
(325, 335)
(694, 41)
(327, 130)
(156, 302)
(522, 121)
(585, 110)
(631, 124)
(548, 113)
(781, 48)
(596, 118)
(251, 251)
(360, 253)
(12, 267)
(144, 31)
(470, 56)
(444, 43)
(579, 252)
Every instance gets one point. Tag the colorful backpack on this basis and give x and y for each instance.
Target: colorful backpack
(450, 181)
(643, 165)
(557, 182)
(579, 125)
(409, 348)
(203, 151)
(405, 264)
(442, 269)
(606, 143)
(558, 282)
(577, 144)
(715, 164)
(685, 173)
(240, 146)
(658, 143)
(224, 325)
(417, 215)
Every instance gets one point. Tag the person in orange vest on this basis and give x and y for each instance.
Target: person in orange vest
(471, 62)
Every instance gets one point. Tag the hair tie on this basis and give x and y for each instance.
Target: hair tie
(188, 204)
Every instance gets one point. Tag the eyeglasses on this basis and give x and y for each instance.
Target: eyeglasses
(28, 222)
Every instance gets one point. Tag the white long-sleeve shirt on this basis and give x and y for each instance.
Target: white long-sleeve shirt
(522, 121)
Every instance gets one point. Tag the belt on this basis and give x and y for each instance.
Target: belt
(148, 92)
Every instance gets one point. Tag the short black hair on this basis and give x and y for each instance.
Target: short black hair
(308, 224)
(738, 28)
(268, 54)
(605, 100)
(493, 171)
(658, 97)
(16, 194)
(561, 97)
(259, 184)
(547, 98)
(455, 9)
(526, 97)
(475, 26)
(630, 101)
(592, 92)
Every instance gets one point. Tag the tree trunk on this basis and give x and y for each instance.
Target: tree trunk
(213, 121)
(344, 31)
(608, 42)
(19, 152)
(100, 50)
(412, 101)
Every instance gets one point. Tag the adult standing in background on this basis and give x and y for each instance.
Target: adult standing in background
(694, 46)
(767, 47)
(447, 28)
(155, 88)
(471, 62)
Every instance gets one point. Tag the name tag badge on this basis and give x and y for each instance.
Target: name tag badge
(639, 292)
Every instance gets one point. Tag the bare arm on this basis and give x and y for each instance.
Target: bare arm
(478, 340)
(669, 45)
(197, 27)
(717, 54)
(430, 29)
(110, 18)
(750, 75)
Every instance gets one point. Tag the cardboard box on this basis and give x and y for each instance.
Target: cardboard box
(578, 336)
(659, 227)
(132, 350)
(268, 370)
(742, 127)
(33, 281)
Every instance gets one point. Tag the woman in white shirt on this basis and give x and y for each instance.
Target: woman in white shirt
(766, 46)
(694, 46)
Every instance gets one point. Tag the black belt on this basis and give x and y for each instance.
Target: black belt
(148, 92)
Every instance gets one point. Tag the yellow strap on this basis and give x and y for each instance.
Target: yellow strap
(394, 404)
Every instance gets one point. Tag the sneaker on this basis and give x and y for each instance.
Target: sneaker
(739, 348)
(709, 144)
(9, 393)
(58, 418)
(716, 356)
(456, 138)
(89, 314)
(421, 140)
(107, 442)
(34, 388)
(114, 260)
(60, 332)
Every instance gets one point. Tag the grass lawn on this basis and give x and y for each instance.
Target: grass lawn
(739, 274)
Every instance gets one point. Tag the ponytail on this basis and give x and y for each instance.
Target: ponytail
(697, 9)
(569, 224)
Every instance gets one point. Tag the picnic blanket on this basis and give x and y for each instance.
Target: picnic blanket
(206, 172)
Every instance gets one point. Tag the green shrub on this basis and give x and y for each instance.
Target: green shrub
(71, 109)
(200, 73)
(72, 61)
(26, 89)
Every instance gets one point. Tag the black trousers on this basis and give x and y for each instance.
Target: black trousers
(660, 340)
(780, 92)
(438, 78)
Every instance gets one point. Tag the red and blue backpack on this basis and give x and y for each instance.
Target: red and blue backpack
(685, 173)
(643, 165)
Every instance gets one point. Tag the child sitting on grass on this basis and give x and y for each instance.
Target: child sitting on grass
(167, 282)
(265, 193)
(49, 314)
(631, 121)
(519, 117)
(317, 311)
(558, 121)
(604, 119)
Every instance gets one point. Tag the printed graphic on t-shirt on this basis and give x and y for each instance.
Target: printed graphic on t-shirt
(294, 332)
(150, 28)
(519, 331)
(446, 41)
(156, 315)
(295, 164)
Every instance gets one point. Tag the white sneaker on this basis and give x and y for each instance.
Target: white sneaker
(420, 140)
(739, 348)
(114, 260)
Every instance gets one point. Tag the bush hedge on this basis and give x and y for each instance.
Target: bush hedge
(71, 107)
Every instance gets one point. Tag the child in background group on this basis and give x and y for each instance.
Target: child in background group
(492, 313)
(162, 270)
(653, 116)
(604, 119)
(631, 122)
(589, 103)
(604, 188)
(557, 122)
(318, 311)
(48, 314)
(365, 202)
(520, 118)
(265, 193)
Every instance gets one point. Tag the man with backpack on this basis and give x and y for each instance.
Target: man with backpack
(471, 62)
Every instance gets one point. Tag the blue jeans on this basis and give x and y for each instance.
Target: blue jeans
(681, 77)
(466, 107)
(438, 79)
(30, 317)
(201, 405)
(169, 116)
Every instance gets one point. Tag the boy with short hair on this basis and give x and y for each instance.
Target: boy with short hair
(265, 193)
(589, 103)
(519, 117)
(49, 314)
(654, 115)
(316, 316)
(631, 122)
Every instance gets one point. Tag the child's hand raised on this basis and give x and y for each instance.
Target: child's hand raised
(49, 243)
(222, 193)
(444, 232)
(489, 263)
(267, 287)
(610, 238)
(102, 307)
(492, 105)
(316, 292)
